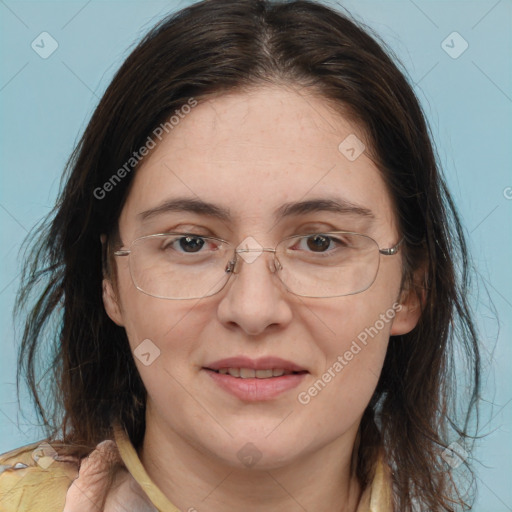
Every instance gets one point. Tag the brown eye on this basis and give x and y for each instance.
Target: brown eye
(318, 243)
(191, 243)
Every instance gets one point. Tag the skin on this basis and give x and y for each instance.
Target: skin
(251, 152)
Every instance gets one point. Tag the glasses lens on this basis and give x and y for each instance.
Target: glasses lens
(328, 264)
(179, 266)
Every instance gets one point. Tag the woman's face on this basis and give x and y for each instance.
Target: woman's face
(249, 154)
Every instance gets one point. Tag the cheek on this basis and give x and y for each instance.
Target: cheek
(352, 334)
(337, 395)
(163, 340)
(359, 335)
(160, 332)
(364, 319)
(170, 332)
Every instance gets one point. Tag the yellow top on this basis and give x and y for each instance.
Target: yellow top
(34, 478)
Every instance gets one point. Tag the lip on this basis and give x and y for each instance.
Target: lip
(254, 389)
(263, 363)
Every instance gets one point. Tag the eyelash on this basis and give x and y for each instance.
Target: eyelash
(334, 240)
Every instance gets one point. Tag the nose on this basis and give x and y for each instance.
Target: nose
(254, 298)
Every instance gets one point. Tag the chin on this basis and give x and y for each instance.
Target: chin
(258, 453)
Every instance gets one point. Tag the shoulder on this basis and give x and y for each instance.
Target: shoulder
(35, 478)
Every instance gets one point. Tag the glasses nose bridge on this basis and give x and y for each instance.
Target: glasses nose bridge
(234, 265)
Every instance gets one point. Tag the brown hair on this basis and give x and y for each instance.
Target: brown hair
(217, 46)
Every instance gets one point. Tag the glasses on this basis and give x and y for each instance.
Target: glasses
(317, 265)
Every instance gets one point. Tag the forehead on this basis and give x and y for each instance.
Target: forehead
(252, 151)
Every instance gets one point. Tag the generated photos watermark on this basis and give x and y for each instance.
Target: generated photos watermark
(304, 397)
(454, 455)
(144, 150)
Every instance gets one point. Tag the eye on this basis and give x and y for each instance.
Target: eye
(319, 243)
(188, 243)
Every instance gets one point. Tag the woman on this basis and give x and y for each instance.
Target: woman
(253, 263)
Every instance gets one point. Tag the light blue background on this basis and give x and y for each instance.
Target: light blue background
(46, 103)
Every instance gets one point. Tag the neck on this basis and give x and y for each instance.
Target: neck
(323, 481)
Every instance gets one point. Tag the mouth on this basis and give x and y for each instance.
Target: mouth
(251, 373)
(253, 380)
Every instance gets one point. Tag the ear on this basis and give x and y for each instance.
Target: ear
(408, 313)
(110, 302)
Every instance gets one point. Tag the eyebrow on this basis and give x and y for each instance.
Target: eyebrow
(336, 205)
(200, 207)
